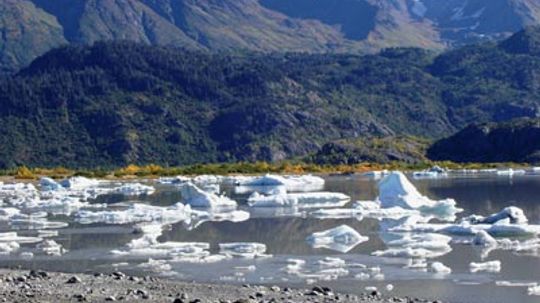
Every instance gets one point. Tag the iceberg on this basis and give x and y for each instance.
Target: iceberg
(79, 183)
(196, 197)
(395, 190)
(50, 248)
(137, 213)
(491, 266)
(134, 189)
(482, 238)
(513, 214)
(199, 217)
(300, 200)
(434, 172)
(440, 268)
(47, 183)
(511, 172)
(342, 238)
(302, 183)
(417, 246)
(243, 250)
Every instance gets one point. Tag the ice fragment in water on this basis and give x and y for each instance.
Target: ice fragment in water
(491, 266)
(196, 197)
(342, 238)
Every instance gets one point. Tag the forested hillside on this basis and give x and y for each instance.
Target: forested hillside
(120, 102)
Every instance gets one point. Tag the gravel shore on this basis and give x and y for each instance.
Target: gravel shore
(41, 286)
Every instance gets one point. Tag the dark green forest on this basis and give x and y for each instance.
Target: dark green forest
(114, 103)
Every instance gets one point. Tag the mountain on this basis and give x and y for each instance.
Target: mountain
(115, 103)
(512, 141)
(32, 27)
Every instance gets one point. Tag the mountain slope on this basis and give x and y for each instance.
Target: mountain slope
(118, 102)
(314, 26)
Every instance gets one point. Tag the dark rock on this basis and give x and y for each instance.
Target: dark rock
(74, 280)
(110, 298)
(178, 300)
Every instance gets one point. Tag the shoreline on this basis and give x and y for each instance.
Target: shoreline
(44, 286)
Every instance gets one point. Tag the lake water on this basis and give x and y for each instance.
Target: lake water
(284, 233)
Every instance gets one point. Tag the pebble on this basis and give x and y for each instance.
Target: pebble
(110, 298)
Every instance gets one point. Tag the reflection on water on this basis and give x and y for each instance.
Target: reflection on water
(284, 232)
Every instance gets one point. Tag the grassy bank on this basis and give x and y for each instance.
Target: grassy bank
(154, 171)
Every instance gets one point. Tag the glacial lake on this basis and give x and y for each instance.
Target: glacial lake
(284, 233)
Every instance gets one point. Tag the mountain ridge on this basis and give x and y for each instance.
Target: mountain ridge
(327, 26)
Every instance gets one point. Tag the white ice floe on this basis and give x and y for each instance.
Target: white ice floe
(510, 222)
(47, 183)
(50, 248)
(513, 214)
(173, 180)
(196, 197)
(133, 189)
(157, 266)
(491, 266)
(342, 238)
(367, 209)
(482, 238)
(300, 200)
(434, 172)
(198, 217)
(533, 290)
(79, 183)
(395, 190)
(243, 250)
(326, 269)
(136, 213)
(419, 246)
(440, 268)
(301, 183)
(511, 172)
(516, 284)
(10, 242)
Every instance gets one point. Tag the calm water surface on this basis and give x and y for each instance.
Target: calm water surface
(89, 245)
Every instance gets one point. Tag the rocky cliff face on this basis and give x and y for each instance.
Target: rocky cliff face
(513, 141)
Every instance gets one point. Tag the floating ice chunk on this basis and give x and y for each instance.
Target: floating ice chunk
(134, 189)
(482, 238)
(417, 264)
(50, 248)
(13, 237)
(331, 262)
(440, 268)
(47, 183)
(396, 190)
(511, 172)
(342, 238)
(7, 248)
(434, 172)
(6, 213)
(173, 180)
(243, 250)
(513, 214)
(491, 266)
(207, 179)
(515, 284)
(79, 183)
(196, 197)
(301, 183)
(389, 287)
(301, 200)
(533, 290)
(423, 246)
(199, 217)
(267, 180)
(157, 266)
(137, 213)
